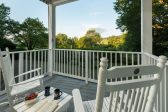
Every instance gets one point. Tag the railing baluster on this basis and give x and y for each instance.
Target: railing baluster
(79, 70)
(45, 62)
(115, 59)
(90, 66)
(126, 59)
(93, 65)
(97, 65)
(132, 59)
(26, 64)
(86, 66)
(13, 63)
(34, 62)
(64, 61)
(42, 62)
(138, 60)
(70, 60)
(75, 62)
(30, 63)
(120, 59)
(54, 60)
(67, 61)
(57, 60)
(82, 64)
(20, 66)
(59, 64)
(111, 59)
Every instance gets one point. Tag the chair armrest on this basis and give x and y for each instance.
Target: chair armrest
(27, 72)
(29, 80)
(77, 101)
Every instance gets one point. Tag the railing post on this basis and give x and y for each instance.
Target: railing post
(86, 67)
(50, 63)
(21, 66)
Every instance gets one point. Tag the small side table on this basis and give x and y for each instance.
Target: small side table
(63, 102)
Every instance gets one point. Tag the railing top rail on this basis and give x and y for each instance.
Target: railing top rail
(28, 51)
(99, 51)
(153, 56)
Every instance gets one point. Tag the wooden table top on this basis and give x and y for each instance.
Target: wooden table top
(64, 99)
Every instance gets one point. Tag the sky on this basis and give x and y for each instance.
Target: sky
(73, 19)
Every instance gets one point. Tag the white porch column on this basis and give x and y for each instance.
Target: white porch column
(146, 26)
(51, 32)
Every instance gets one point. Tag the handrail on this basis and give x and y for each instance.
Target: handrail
(97, 51)
(14, 52)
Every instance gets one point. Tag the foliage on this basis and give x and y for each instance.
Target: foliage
(4, 43)
(130, 21)
(160, 27)
(90, 40)
(8, 27)
(32, 34)
(93, 35)
(62, 41)
(116, 41)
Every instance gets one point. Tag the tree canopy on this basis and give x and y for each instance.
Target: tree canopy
(160, 27)
(129, 21)
(62, 41)
(8, 27)
(32, 34)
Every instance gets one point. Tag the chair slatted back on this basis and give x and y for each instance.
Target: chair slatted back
(6, 67)
(135, 95)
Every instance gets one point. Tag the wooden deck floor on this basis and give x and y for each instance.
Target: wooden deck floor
(66, 84)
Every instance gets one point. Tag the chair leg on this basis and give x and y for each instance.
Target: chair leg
(11, 103)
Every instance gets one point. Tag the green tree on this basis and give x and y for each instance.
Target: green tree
(32, 34)
(116, 41)
(62, 41)
(91, 40)
(8, 28)
(95, 36)
(129, 21)
(85, 42)
(160, 27)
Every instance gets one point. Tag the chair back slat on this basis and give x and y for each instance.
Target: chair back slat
(6, 67)
(130, 71)
(111, 101)
(129, 95)
(131, 100)
(145, 98)
(139, 106)
(115, 101)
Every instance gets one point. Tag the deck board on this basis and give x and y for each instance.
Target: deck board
(66, 84)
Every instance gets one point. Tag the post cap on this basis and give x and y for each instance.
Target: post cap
(162, 59)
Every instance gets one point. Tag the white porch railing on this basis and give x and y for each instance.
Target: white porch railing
(84, 65)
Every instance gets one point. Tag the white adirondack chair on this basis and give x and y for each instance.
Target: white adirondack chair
(12, 88)
(135, 95)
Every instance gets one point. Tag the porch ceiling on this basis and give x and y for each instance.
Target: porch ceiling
(57, 2)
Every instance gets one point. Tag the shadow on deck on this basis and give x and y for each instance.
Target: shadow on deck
(66, 84)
